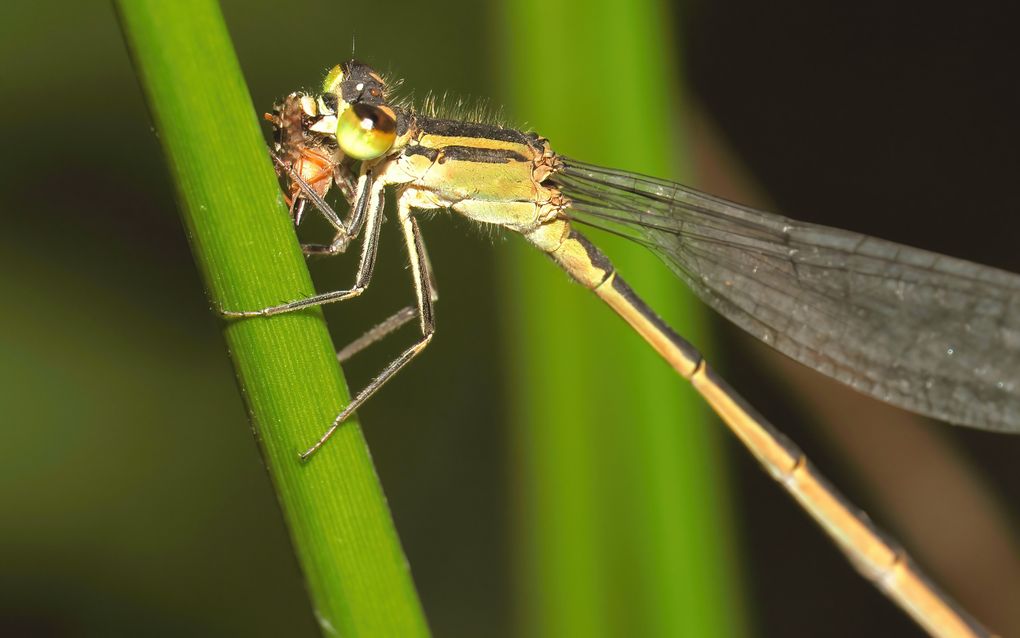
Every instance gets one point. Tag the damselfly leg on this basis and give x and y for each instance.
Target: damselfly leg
(369, 206)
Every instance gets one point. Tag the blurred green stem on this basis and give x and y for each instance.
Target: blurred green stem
(624, 513)
(240, 233)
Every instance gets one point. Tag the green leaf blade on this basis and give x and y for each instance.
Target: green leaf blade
(232, 208)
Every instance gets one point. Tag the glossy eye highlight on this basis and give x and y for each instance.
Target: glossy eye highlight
(365, 131)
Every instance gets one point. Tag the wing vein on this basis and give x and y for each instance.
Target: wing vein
(931, 333)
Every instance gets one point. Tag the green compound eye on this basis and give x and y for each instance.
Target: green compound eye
(365, 131)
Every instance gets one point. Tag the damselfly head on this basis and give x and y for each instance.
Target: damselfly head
(365, 125)
(355, 82)
(318, 138)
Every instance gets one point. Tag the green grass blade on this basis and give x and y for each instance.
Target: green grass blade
(341, 528)
(625, 521)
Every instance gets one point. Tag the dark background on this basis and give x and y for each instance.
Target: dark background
(897, 120)
(132, 499)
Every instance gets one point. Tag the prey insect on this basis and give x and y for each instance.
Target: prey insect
(927, 332)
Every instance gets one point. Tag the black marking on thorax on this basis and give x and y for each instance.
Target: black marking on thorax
(466, 154)
(456, 128)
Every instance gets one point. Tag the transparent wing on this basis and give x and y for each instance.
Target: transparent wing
(933, 334)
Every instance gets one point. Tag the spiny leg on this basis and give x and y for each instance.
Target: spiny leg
(353, 228)
(392, 323)
(377, 333)
(309, 193)
(421, 277)
(344, 231)
(299, 201)
(370, 194)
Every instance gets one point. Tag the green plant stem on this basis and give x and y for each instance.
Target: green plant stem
(624, 517)
(240, 233)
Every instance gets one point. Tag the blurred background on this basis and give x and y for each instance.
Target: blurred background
(132, 496)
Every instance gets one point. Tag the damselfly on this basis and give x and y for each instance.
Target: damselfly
(929, 333)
